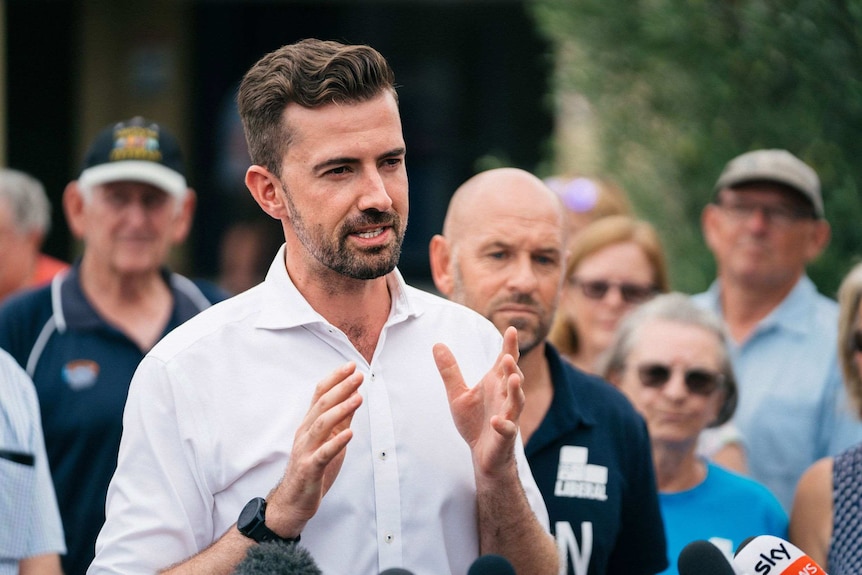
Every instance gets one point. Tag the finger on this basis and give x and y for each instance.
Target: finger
(333, 390)
(505, 428)
(510, 343)
(515, 399)
(449, 371)
(330, 449)
(340, 374)
(335, 419)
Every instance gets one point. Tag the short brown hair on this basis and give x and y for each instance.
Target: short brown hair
(310, 73)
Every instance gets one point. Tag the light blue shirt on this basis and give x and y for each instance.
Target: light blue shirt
(29, 515)
(793, 409)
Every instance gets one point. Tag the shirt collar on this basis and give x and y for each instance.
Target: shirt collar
(285, 307)
(73, 310)
(565, 391)
(791, 314)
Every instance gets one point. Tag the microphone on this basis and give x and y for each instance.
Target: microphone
(703, 558)
(396, 571)
(277, 558)
(770, 555)
(491, 565)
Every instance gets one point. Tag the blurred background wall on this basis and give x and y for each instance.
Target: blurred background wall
(473, 81)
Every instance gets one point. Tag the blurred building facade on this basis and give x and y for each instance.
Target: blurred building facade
(474, 77)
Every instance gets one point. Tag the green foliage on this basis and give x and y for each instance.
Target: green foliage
(678, 87)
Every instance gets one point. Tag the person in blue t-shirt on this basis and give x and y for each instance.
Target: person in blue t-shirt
(670, 358)
(502, 253)
(81, 337)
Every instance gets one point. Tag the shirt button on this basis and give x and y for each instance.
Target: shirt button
(389, 537)
(382, 455)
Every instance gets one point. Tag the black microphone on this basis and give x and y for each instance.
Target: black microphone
(703, 558)
(491, 565)
(277, 558)
(396, 571)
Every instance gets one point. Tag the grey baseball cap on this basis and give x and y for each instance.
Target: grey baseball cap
(779, 166)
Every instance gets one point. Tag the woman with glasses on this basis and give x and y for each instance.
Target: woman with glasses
(670, 359)
(826, 519)
(616, 263)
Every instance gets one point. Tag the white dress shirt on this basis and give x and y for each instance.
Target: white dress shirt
(213, 409)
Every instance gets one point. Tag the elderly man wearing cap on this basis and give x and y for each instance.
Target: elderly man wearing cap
(765, 225)
(81, 337)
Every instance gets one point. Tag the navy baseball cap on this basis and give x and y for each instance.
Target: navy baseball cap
(137, 150)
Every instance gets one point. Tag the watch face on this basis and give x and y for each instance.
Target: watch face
(250, 514)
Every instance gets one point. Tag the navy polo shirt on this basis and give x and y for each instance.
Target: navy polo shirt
(592, 461)
(82, 367)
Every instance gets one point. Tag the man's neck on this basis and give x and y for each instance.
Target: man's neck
(139, 305)
(359, 308)
(743, 307)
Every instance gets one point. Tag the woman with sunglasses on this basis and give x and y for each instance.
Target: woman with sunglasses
(615, 264)
(670, 359)
(826, 519)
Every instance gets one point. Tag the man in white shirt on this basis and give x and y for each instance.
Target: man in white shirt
(390, 466)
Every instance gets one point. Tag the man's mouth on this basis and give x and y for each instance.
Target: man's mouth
(370, 233)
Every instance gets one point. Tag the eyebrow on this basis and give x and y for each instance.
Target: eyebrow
(348, 160)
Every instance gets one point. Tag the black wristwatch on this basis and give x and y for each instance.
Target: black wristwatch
(252, 523)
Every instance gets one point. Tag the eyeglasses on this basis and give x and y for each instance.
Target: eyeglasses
(780, 216)
(630, 292)
(856, 344)
(698, 381)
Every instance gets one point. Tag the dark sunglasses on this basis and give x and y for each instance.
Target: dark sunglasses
(856, 345)
(698, 381)
(631, 293)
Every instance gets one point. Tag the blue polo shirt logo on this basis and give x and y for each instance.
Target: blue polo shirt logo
(80, 374)
(577, 478)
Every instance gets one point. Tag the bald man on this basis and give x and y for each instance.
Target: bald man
(502, 254)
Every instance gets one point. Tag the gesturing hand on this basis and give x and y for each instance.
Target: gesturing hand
(487, 414)
(318, 452)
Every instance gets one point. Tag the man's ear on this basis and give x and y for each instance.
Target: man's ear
(819, 239)
(708, 223)
(185, 216)
(440, 255)
(266, 190)
(73, 208)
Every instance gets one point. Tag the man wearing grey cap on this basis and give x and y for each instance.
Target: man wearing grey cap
(81, 337)
(765, 225)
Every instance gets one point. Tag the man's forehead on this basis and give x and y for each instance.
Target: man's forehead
(131, 187)
(516, 232)
(766, 189)
(330, 126)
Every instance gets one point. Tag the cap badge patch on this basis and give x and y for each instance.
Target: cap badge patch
(136, 143)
